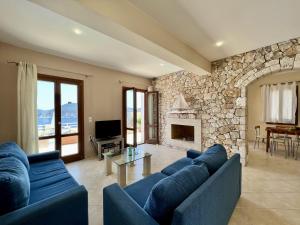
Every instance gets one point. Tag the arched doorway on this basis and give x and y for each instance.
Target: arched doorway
(255, 102)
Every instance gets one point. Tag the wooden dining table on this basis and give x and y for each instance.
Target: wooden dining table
(280, 130)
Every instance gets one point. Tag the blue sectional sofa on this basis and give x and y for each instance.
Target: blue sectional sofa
(200, 189)
(38, 190)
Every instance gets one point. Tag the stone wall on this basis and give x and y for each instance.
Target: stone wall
(220, 97)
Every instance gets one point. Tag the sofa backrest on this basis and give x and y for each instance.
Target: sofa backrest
(214, 201)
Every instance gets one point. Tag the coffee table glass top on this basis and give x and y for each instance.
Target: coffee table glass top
(125, 158)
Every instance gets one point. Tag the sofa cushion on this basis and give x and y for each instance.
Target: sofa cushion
(50, 187)
(140, 190)
(168, 193)
(176, 166)
(45, 169)
(8, 149)
(214, 157)
(191, 153)
(14, 185)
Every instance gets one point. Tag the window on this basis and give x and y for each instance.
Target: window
(60, 116)
(280, 103)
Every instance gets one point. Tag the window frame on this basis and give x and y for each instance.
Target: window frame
(80, 133)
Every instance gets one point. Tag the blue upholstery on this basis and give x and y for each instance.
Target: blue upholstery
(51, 187)
(14, 185)
(140, 190)
(46, 169)
(214, 157)
(69, 207)
(193, 153)
(212, 203)
(168, 193)
(42, 157)
(176, 166)
(12, 149)
(120, 209)
(55, 197)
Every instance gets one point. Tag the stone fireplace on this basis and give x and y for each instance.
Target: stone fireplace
(183, 133)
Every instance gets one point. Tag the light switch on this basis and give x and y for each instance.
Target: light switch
(90, 119)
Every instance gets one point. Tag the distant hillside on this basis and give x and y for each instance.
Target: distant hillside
(68, 114)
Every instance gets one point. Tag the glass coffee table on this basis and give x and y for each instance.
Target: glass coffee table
(121, 160)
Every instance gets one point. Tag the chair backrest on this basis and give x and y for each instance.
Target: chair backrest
(257, 130)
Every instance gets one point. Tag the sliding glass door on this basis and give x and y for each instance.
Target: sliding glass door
(134, 116)
(60, 116)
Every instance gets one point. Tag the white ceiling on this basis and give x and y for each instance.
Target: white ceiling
(242, 25)
(28, 25)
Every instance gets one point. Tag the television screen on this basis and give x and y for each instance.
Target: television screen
(107, 129)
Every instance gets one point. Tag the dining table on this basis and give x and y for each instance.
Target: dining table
(280, 130)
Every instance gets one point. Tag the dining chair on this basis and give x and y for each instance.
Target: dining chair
(258, 137)
(276, 140)
(295, 146)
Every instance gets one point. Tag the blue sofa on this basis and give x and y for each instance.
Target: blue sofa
(38, 190)
(210, 203)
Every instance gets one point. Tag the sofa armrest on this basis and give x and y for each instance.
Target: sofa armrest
(43, 156)
(70, 207)
(193, 154)
(120, 209)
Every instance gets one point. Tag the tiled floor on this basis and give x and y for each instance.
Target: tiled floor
(270, 189)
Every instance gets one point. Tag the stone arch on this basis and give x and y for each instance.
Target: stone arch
(220, 97)
(287, 63)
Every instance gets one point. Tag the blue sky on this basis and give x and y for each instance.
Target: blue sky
(45, 96)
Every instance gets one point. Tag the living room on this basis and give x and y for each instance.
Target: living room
(154, 112)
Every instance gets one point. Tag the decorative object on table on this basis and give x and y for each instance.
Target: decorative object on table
(129, 151)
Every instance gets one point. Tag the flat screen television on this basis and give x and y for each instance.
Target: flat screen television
(107, 129)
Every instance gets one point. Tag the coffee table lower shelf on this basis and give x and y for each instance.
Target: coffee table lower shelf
(122, 163)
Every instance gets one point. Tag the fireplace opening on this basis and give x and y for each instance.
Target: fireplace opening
(182, 132)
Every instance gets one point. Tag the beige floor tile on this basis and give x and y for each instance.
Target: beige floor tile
(270, 185)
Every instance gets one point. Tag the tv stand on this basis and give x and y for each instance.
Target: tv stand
(106, 144)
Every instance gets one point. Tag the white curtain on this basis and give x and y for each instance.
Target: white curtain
(27, 107)
(279, 103)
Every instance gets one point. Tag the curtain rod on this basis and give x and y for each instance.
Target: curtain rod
(289, 82)
(81, 74)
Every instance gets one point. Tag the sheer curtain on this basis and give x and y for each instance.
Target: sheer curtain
(27, 110)
(279, 103)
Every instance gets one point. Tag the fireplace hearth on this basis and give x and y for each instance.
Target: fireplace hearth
(182, 132)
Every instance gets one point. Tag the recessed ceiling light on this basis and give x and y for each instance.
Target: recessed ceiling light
(77, 31)
(161, 64)
(219, 43)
